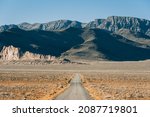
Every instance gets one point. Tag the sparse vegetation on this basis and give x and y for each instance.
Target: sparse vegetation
(117, 86)
(32, 85)
(103, 80)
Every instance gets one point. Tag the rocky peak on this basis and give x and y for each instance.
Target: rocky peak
(7, 27)
(115, 23)
(9, 53)
(95, 24)
(135, 24)
(27, 26)
(61, 25)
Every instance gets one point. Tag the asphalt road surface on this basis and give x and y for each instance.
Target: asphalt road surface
(75, 92)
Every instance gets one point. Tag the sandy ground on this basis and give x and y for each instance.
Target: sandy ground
(103, 80)
(140, 66)
(118, 85)
(32, 85)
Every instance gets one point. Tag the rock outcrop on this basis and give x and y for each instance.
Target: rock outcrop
(30, 56)
(11, 53)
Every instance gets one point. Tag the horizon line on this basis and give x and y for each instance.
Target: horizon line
(72, 20)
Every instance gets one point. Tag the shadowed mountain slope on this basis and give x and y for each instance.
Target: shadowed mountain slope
(41, 42)
(115, 38)
(101, 44)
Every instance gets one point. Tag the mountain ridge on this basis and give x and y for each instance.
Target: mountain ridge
(112, 23)
(115, 38)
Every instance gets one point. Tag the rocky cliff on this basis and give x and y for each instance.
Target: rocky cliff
(115, 23)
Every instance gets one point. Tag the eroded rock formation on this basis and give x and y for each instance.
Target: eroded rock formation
(11, 53)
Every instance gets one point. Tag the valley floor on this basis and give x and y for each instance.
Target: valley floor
(103, 80)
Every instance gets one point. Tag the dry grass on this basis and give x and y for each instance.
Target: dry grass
(117, 86)
(32, 85)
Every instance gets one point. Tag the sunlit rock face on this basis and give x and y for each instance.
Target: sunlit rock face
(115, 23)
(9, 53)
(30, 56)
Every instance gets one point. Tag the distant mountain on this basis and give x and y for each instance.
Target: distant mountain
(115, 23)
(115, 38)
(105, 45)
(50, 26)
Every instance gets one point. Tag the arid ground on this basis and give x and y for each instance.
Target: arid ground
(32, 85)
(117, 85)
(102, 80)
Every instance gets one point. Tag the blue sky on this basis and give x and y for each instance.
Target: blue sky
(32, 11)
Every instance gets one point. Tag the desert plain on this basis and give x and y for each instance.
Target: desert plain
(102, 80)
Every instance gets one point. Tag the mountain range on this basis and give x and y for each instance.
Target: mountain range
(115, 38)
